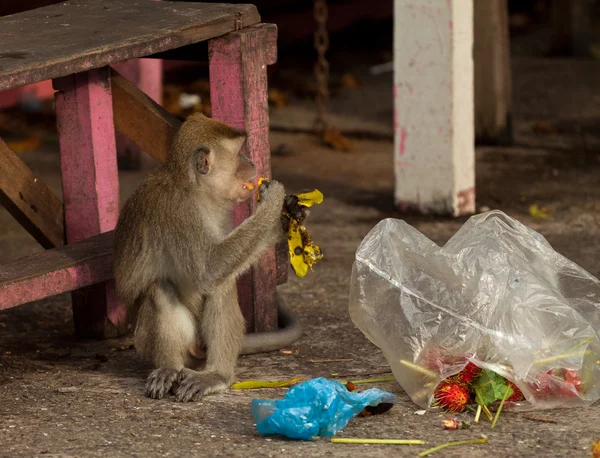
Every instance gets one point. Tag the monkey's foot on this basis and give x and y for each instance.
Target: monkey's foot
(160, 382)
(193, 385)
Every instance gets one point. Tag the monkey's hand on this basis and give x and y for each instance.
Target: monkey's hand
(272, 196)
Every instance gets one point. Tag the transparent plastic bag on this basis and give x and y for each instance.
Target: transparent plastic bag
(317, 407)
(496, 294)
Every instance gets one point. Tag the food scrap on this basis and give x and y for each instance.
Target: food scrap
(303, 252)
(455, 423)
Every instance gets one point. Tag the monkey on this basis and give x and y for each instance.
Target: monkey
(177, 257)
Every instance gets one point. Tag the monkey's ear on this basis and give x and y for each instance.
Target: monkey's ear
(203, 159)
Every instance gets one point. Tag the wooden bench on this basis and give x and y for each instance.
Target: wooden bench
(73, 43)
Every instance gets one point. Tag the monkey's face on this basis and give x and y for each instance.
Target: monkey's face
(210, 153)
(228, 171)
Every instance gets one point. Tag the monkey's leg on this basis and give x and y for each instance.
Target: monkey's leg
(164, 333)
(223, 332)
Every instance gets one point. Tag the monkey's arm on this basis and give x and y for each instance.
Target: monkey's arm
(246, 243)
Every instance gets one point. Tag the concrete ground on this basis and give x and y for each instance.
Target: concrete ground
(64, 397)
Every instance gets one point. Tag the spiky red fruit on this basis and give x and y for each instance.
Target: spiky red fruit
(517, 395)
(451, 395)
(469, 372)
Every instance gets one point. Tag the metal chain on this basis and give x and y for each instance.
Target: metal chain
(321, 66)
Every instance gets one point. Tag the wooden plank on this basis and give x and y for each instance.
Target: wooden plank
(29, 200)
(238, 86)
(147, 75)
(434, 154)
(80, 35)
(492, 67)
(56, 271)
(86, 134)
(141, 119)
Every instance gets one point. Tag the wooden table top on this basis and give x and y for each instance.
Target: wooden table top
(80, 35)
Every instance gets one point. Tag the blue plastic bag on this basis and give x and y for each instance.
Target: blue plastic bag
(317, 407)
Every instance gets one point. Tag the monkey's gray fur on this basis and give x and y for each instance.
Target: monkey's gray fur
(177, 258)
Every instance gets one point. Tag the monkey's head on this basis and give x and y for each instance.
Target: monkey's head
(208, 153)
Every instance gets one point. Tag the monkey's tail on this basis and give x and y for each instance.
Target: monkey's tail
(289, 332)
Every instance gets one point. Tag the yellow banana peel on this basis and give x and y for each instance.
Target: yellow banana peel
(303, 252)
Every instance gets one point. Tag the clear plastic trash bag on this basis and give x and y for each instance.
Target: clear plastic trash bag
(496, 294)
(317, 407)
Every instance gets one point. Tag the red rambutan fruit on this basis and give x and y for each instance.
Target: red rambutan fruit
(469, 372)
(517, 395)
(451, 395)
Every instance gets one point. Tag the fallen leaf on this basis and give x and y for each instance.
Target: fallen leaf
(349, 81)
(277, 98)
(596, 449)
(334, 139)
(544, 128)
(255, 384)
(539, 213)
(26, 144)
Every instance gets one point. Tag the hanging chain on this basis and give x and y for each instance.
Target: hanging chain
(321, 66)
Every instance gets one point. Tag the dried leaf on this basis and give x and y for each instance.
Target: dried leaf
(334, 139)
(349, 81)
(26, 144)
(596, 449)
(277, 98)
(539, 213)
(544, 128)
(256, 384)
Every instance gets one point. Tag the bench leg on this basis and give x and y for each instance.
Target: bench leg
(90, 183)
(238, 92)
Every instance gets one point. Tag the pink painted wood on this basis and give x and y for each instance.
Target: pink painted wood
(56, 271)
(147, 74)
(238, 87)
(86, 135)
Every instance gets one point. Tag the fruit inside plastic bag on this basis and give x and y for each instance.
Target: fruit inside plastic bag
(496, 295)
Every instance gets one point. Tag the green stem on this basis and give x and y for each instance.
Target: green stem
(478, 414)
(501, 405)
(419, 369)
(374, 380)
(377, 441)
(559, 357)
(483, 440)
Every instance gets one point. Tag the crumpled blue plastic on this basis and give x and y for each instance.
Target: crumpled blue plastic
(317, 407)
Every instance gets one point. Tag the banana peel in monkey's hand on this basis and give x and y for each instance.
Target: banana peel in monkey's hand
(303, 252)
